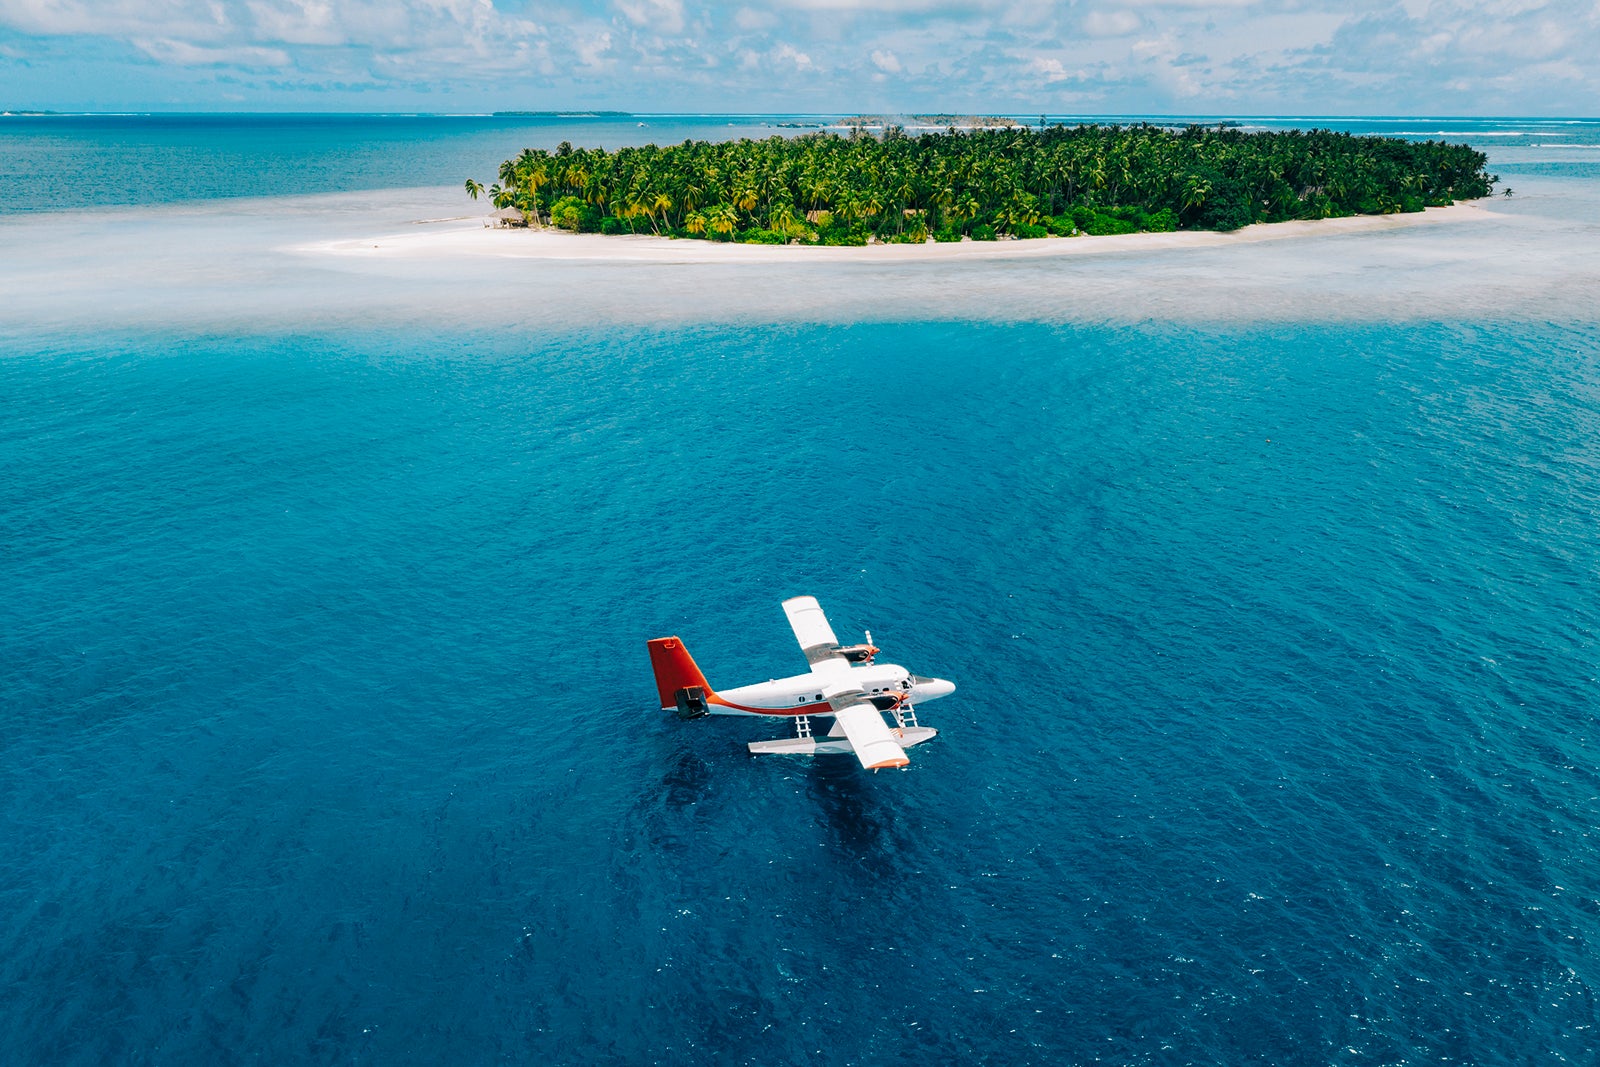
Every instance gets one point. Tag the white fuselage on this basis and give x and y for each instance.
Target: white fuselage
(802, 694)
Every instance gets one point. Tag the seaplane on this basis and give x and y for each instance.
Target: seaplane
(845, 683)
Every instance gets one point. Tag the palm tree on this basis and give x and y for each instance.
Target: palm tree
(1196, 187)
(474, 189)
(657, 202)
(530, 173)
(782, 217)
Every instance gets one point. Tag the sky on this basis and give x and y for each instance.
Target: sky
(1178, 57)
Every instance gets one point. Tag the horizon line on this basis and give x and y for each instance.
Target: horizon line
(580, 112)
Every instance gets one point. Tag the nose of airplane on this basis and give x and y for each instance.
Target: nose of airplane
(934, 687)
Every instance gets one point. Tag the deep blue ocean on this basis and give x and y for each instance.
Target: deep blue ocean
(327, 733)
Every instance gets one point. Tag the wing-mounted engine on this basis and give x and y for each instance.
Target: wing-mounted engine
(861, 653)
(895, 700)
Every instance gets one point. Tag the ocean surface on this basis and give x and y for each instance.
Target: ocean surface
(1269, 575)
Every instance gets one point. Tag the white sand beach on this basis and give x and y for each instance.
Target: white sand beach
(399, 257)
(473, 237)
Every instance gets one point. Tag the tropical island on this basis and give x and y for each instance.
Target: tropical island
(980, 184)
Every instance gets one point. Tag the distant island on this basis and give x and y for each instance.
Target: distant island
(980, 184)
(563, 115)
(929, 122)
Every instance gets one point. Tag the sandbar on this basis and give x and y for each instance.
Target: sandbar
(473, 237)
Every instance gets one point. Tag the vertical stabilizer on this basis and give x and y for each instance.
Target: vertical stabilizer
(678, 679)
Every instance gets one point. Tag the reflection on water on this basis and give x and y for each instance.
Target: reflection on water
(849, 806)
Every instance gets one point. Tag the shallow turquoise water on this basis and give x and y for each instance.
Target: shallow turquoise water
(161, 159)
(328, 733)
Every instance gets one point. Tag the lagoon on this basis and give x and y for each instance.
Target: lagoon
(1265, 569)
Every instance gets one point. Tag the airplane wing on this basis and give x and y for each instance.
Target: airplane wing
(811, 629)
(862, 723)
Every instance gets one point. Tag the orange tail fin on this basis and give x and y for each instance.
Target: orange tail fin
(675, 672)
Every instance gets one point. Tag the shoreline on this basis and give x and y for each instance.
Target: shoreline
(470, 237)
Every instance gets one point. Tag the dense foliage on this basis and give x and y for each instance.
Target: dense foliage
(829, 189)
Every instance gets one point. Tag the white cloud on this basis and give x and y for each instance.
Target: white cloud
(114, 18)
(183, 54)
(1047, 70)
(241, 25)
(898, 7)
(592, 51)
(660, 16)
(782, 58)
(297, 22)
(748, 19)
(1208, 5)
(789, 54)
(1111, 23)
(1123, 55)
(1167, 66)
(1510, 49)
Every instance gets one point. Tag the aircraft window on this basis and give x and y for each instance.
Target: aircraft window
(819, 696)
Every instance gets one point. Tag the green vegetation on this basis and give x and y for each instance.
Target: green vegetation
(1025, 183)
